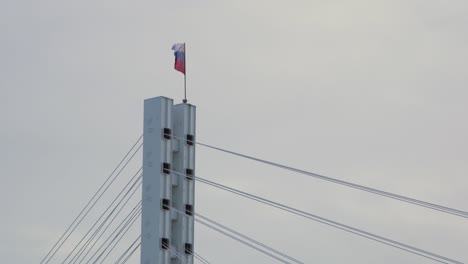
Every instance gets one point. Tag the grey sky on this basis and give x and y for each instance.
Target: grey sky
(373, 92)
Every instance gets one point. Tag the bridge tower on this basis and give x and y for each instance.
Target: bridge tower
(168, 147)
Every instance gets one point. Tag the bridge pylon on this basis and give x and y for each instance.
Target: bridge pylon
(168, 147)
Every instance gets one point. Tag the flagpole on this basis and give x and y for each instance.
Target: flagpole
(185, 74)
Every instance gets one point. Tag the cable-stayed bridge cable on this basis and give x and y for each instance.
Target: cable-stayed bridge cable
(240, 235)
(131, 253)
(332, 223)
(124, 223)
(248, 238)
(337, 226)
(86, 244)
(56, 246)
(104, 223)
(123, 230)
(177, 254)
(240, 240)
(200, 258)
(102, 215)
(127, 250)
(112, 220)
(121, 233)
(398, 197)
(197, 256)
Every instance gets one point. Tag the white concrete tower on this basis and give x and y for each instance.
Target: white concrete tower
(168, 146)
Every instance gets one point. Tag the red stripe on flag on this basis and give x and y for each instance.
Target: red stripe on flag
(179, 66)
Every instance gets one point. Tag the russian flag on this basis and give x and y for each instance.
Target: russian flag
(179, 53)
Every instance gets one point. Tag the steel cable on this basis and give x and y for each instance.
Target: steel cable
(55, 248)
(128, 249)
(110, 223)
(394, 196)
(123, 223)
(102, 215)
(240, 235)
(121, 233)
(332, 223)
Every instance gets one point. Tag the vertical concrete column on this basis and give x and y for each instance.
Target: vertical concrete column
(183, 189)
(157, 186)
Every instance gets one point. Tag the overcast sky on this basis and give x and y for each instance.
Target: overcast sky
(369, 91)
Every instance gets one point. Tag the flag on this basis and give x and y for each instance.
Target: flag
(179, 53)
